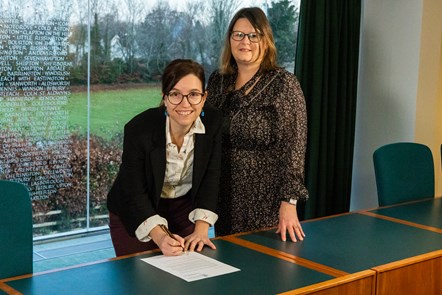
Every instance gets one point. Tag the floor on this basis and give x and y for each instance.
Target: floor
(71, 251)
(49, 255)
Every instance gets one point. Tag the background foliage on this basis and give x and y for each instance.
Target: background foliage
(137, 48)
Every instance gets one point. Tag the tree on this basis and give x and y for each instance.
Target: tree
(96, 50)
(78, 33)
(283, 17)
(155, 38)
(220, 12)
(135, 9)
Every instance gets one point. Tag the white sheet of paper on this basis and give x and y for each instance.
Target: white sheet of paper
(190, 266)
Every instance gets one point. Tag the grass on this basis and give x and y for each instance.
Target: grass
(110, 109)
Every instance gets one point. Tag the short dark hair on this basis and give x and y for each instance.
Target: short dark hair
(259, 21)
(179, 68)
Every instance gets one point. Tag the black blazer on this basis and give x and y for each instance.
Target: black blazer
(135, 194)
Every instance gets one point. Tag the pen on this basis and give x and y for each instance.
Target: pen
(167, 231)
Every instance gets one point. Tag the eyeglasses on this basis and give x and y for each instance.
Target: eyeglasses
(253, 37)
(175, 97)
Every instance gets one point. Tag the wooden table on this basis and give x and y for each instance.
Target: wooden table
(421, 274)
(426, 214)
(260, 274)
(391, 250)
(401, 243)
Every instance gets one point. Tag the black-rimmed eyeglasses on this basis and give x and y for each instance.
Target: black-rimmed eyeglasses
(175, 97)
(253, 37)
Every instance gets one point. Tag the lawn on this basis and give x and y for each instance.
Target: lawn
(110, 109)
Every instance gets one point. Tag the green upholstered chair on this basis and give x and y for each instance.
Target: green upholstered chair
(404, 172)
(15, 230)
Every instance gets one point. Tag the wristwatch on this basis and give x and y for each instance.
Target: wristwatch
(293, 201)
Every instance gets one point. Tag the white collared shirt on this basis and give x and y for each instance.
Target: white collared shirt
(178, 179)
(179, 164)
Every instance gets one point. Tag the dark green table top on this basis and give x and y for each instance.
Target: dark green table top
(428, 212)
(260, 274)
(353, 242)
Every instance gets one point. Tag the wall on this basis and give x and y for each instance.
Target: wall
(429, 95)
(399, 82)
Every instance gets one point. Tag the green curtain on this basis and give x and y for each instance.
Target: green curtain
(327, 68)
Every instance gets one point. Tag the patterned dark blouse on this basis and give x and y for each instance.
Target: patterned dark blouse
(264, 144)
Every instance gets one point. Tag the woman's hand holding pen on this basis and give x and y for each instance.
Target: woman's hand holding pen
(170, 244)
(199, 237)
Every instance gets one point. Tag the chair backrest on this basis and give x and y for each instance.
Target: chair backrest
(404, 172)
(15, 230)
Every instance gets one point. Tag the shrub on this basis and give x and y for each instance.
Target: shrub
(68, 189)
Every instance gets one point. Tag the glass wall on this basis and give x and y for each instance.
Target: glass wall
(73, 72)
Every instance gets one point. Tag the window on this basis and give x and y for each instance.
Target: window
(73, 72)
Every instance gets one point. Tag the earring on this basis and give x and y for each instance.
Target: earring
(165, 113)
(202, 113)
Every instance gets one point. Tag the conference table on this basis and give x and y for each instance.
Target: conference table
(425, 214)
(423, 273)
(407, 258)
(380, 251)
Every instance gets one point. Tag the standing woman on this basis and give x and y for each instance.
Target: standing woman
(264, 132)
(169, 175)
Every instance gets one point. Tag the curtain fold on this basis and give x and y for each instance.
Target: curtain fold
(327, 67)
